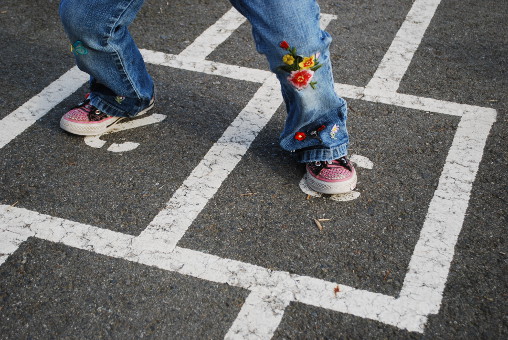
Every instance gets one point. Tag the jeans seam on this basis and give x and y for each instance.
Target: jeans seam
(117, 53)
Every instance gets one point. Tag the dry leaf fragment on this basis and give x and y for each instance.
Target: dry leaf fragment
(336, 290)
(318, 224)
(249, 194)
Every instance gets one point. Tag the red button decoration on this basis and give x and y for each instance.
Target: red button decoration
(300, 136)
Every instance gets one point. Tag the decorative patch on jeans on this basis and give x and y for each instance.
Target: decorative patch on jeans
(300, 136)
(333, 131)
(78, 48)
(301, 69)
(119, 99)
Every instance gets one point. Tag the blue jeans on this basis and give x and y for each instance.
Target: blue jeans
(120, 85)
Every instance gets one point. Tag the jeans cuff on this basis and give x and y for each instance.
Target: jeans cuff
(131, 106)
(320, 155)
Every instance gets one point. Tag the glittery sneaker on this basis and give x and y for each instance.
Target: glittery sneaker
(87, 120)
(331, 177)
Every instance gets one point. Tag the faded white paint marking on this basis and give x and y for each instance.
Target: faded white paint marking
(11, 238)
(430, 263)
(305, 188)
(362, 161)
(206, 66)
(22, 118)
(398, 57)
(97, 142)
(259, 317)
(422, 104)
(418, 103)
(214, 35)
(348, 196)
(326, 19)
(123, 147)
(171, 223)
(272, 289)
(348, 91)
(221, 30)
(26, 223)
(94, 141)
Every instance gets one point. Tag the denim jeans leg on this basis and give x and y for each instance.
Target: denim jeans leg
(315, 127)
(103, 47)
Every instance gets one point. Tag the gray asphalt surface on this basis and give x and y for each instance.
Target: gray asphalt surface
(259, 215)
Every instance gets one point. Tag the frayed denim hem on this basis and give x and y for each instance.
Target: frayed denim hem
(113, 110)
(319, 155)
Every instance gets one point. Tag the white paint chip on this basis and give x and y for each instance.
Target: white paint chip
(97, 142)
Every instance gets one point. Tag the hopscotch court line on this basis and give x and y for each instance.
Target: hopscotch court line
(422, 290)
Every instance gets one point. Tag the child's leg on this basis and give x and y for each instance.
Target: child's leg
(103, 47)
(316, 122)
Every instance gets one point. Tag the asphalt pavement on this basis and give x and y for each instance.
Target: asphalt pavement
(192, 223)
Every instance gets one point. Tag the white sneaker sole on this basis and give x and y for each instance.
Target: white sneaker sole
(95, 129)
(331, 188)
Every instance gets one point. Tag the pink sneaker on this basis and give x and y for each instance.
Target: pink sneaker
(87, 120)
(331, 177)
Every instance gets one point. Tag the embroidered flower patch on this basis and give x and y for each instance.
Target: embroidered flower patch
(300, 136)
(333, 131)
(301, 79)
(78, 48)
(301, 69)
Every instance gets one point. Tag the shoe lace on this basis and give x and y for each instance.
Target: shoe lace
(93, 113)
(342, 162)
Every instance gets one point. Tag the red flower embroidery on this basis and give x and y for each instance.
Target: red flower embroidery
(301, 79)
(284, 44)
(300, 136)
(321, 128)
(301, 68)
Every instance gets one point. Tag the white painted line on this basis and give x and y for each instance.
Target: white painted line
(11, 238)
(22, 118)
(430, 263)
(409, 101)
(219, 32)
(26, 223)
(259, 317)
(171, 223)
(347, 91)
(206, 66)
(398, 57)
(326, 19)
(214, 35)
(281, 285)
